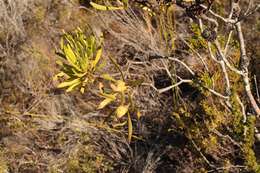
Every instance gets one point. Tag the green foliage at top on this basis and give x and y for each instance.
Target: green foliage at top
(81, 60)
(123, 5)
(197, 41)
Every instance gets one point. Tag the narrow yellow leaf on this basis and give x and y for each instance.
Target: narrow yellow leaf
(68, 83)
(130, 128)
(108, 77)
(101, 87)
(70, 88)
(138, 114)
(120, 124)
(104, 8)
(114, 87)
(78, 74)
(62, 43)
(82, 90)
(98, 56)
(59, 62)
(112, 96)
(105, 102)
(120, 86)
(70, 55)
(122, 110)
(61, 74)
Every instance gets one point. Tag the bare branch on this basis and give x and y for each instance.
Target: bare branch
(196, 53)
(257, 91)
(249, 12)
(223, 66)
(218, 94)
(173, 86)
(242, 108)
(182, 63)
(244, 67)
(228, 41)
(231, 9)
(226, 20)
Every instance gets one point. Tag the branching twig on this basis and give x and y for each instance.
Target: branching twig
(182, 63)
(226, 20)
(257, 90)
(202, 155)
(242, 108)
(196, 53)
(173, 86)
(223, 66)
(244, 67)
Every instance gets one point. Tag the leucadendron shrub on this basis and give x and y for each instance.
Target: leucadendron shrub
(81, 68)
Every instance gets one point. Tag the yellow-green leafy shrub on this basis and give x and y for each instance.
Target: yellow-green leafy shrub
(81, 67)
(81, 63)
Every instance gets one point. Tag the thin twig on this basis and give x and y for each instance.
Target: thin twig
(173, 86)
(182, 63)
(223, 66)
(217, 93)
(226, 20)
(197, 53)
(257, 90)
(227, 137)
(226, 168)
(242, 108)
(228, 41)
(202, 155)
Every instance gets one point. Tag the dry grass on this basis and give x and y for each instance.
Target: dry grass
(46, 130)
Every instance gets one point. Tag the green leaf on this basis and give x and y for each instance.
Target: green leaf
(68, 83)
(130, 128)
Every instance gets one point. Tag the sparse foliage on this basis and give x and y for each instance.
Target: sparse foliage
(83, 67)
(140, 86)
(82, 60)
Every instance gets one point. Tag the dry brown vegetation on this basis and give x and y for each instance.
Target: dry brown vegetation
(186, 128)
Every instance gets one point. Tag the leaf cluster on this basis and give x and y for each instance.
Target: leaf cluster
(82, 66)
(81, 57)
